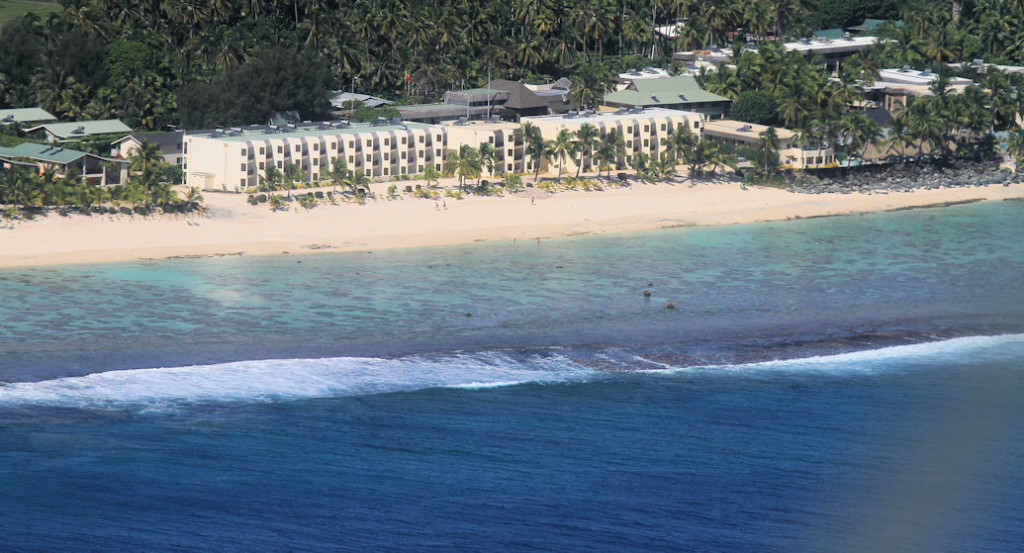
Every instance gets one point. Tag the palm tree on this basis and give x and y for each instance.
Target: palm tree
(488, 157)
(1015, 147)
(679, 142)
(612, 149)
(464, 164)
(768, 154)
(561, 148)
(586, 139)
(534, 144)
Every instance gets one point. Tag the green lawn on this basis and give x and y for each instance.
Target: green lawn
(13, 9)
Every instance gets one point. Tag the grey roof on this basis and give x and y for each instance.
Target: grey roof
(369, 101)
(667, 91)
(25, 115)
(43, 152)
(520, 97)
(84, 128)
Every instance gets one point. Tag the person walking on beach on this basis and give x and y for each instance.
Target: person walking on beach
(532, 200)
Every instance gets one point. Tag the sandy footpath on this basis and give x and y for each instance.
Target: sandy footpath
(232, 226)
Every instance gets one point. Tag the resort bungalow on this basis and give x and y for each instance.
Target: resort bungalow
(94, 168)
(69, 132)
(25, 116)
(681, 93)
(790, 155)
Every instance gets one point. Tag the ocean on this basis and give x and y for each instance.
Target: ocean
(833, 384)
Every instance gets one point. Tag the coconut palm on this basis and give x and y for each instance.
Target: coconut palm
(562, 148)
(464, 163)
(586, 138)
(768, 150)
(534, 145)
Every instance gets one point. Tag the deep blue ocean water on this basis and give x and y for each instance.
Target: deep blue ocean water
(839, 384)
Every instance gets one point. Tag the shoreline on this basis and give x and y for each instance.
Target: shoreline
(232, 227)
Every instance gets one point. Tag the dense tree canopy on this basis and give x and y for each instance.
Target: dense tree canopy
(198, 62)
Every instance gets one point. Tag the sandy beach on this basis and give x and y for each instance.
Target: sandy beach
(233, 227)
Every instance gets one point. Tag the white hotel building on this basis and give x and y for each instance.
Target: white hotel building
(233, 160)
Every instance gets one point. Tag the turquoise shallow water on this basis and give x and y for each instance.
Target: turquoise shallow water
(845, 384)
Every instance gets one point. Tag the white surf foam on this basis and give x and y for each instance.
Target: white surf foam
(286, 379)
(872, 359)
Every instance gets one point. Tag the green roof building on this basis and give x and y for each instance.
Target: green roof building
(61, 132)
(682, 93)
(24, 116)
(64, 160)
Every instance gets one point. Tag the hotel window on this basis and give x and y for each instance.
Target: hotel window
(280, 149)
(387, 141)
(263, 151)
(403, 140)
(647, 128)
(367, 172)
(315, 176)
(367, 143)
(420, 168)
(350, 144)
(367, 158)
(438, 151)
(385, 171)
(316, 147)
(629, 143)
(438, 138)
(243, 167)
(696, 124)
(241, 182)
(244, 151)
(490, 140)
(280, 165)
(647, 143)
(334, 145)
(421, 139)
(662, 126)
(186, 147)
(386, 157)
(403, 155)
(350, 159)
(316, 161)
(261, 166)
(629, 129)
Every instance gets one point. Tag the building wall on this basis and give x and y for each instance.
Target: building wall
(235, 164)
(502, 136)
(643, 132)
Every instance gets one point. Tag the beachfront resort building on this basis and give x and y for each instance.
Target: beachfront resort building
(503, 136)
(234, 160)
(77, 130)
(96, 169)
(680, 93)
(170, 144)
(791, 155)
(643, 130)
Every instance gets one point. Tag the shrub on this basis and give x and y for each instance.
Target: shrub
(318, 195)
(262, 198)
(125, 211)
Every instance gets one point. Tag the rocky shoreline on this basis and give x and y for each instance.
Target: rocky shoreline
(903, 177)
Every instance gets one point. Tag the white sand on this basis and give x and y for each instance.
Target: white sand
(232, 226)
